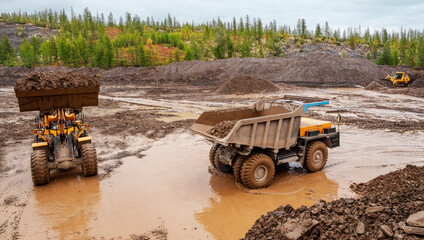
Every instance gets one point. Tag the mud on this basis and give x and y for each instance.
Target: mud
(245, 84)
(55, 80)
(392, 197)
(222, 129)
(150, 165)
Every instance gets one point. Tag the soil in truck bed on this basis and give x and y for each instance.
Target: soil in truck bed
(222, 129)
(55, 80)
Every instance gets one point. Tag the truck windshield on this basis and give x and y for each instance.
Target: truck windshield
(398, 75)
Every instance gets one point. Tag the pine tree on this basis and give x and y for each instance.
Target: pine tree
(188, 54)
(318, 33)
(177, 55)
(386, 57)
(109, 53)
(26, 52)
(35, 43)
(7, 52)
(46, 54)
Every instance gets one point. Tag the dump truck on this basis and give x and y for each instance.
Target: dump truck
(267, 134)
(399, 79)
(61, 139)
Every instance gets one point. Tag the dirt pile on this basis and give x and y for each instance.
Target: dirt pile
(375, 86)
(382, 210)
(319, 70)
(55, 80)
(222, 129)
(245, 84)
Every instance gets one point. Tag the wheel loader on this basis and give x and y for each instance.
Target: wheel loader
(267, 134)
(399, 79)
(61, 139)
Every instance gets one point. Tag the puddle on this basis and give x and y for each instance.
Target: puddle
(176, 116)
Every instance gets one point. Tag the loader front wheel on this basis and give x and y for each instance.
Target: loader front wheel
(212, 153)
(222, 167)
(89, 160)
(257, 171)
(316, 156)
(39, 168)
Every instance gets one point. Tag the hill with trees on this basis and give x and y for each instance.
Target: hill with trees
(87, 40)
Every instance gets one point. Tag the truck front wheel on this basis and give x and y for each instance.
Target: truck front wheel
(89, 160)
(39, 167)
(316, 156)
(257, 171)
(212, 153)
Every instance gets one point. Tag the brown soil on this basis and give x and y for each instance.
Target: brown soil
(393, 196)
(314, 70)
(222, 129)
(245, 84)
(55, 80)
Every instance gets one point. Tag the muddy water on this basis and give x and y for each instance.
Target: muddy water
(170, 188)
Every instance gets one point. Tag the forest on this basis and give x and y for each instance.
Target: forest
(88, 40)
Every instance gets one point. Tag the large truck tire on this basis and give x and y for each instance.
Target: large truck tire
(258, 171)
(39, 167)
(237, 167)
(89, 160)
(220, 166)
(316, 156)
(212, 153)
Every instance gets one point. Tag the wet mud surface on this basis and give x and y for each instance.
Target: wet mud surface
(153, 172)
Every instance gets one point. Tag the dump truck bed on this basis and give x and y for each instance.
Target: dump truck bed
(50, 99)
(276, 124)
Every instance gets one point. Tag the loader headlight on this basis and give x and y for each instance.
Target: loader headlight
(84, 126)
(38, 131)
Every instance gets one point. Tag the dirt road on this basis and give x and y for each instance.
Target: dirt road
(153, 179)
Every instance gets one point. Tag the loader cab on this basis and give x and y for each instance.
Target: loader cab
(399, 75)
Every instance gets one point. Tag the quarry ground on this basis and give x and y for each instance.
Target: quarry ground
(153, 180)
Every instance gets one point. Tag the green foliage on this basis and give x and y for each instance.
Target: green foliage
(26, 52)
(90, 40)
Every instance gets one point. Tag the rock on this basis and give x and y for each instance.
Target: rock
(416, 219)
(360, 229)
(398, 236)
(380, 234)
(413, 230)
(296, 228)
(386, 230)
(374, 209)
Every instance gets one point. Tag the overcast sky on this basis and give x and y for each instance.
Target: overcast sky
(376, 14)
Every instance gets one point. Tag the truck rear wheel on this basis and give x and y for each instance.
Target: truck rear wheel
(237, 167)
(257, 171)
(89, 160)
(212, 153)
(316, 156)
(39, 168)
(222, 167)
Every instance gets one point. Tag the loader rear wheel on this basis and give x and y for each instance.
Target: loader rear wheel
(212, 153)
(257, 171)
(237, 167)
(316, 156)
(222, 167)
(89, 160)
(39, 167)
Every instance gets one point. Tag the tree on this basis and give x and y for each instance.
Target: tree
(110, 21)
(304, 29)
(109, 52)
(46, 54)
(35, 43)
(188, 54)
(7, 52)
(386, 57)
(177, 55)
(318, 33)
(26, 53)
(327, 31)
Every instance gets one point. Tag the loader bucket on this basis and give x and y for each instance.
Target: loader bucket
(49, 99)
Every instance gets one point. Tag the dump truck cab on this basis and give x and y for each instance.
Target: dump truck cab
(265, 135)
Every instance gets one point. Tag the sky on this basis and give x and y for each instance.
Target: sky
(375, 14)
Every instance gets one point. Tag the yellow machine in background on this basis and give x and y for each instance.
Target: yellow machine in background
(399, 79)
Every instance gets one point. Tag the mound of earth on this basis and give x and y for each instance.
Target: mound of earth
(245, 84)
(55, 80)
(222, 129)
(381, 211)
(417, 79)
(375, 86)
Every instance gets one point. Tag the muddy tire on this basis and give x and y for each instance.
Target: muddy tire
(212, 153)
(89, 160)
(220, 166)
(40, 168)
(316, 156)
(237, 167)
(257, 171)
